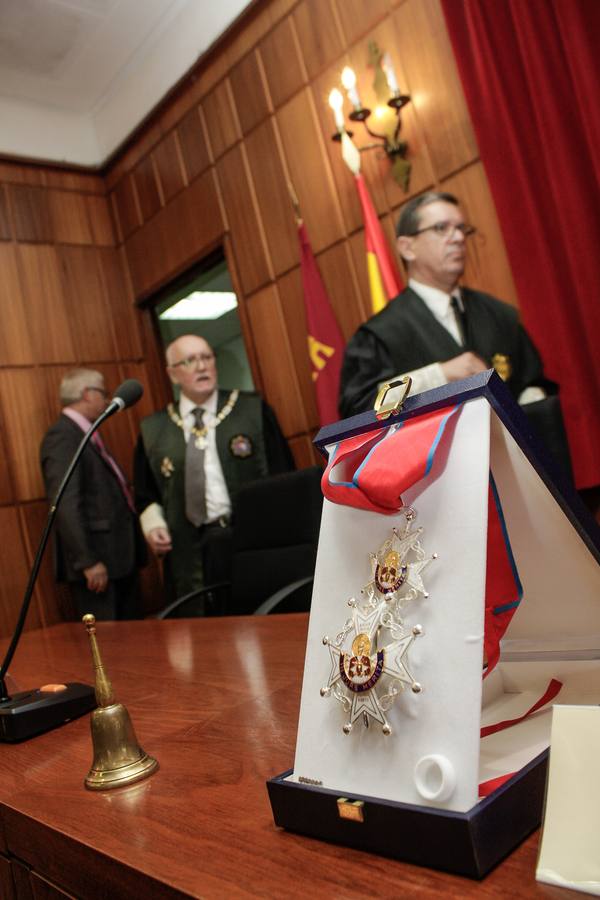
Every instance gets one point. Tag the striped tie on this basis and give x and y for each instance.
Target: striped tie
(460, 318)
(195, 479)
(108, 459)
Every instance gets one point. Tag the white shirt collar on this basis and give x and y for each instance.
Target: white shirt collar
(77, 417)
(437, 301)
(186, 405)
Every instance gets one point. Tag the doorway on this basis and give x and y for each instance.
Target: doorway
(202, 301)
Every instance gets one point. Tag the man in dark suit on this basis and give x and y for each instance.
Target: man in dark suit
(436, 331)
(192, 458)
(98, 545)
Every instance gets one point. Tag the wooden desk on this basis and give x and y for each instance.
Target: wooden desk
(216, 701)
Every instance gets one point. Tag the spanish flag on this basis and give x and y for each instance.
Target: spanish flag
(325, 341)
(384, 277)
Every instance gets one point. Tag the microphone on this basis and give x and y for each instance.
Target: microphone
(126, 395)
(29, 713)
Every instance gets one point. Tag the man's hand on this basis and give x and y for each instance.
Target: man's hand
(159, 541)
(462, 366)
(96, 577)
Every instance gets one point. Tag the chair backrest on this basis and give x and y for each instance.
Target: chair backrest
(206, 601)
(275, 534)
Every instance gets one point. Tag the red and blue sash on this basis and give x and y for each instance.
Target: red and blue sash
(503, 589)
(371, 472)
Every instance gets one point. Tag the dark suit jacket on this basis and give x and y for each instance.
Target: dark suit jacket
(93, 522)
(406, 335)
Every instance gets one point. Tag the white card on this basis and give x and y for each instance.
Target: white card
(570, 846)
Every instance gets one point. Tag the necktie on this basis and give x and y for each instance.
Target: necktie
(460, 318)
(195, 481)
(100, 446)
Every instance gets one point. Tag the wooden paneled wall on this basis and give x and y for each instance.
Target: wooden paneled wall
(65, 301)
(80, 251)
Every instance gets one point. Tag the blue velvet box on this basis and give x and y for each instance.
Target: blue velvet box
(467, 842)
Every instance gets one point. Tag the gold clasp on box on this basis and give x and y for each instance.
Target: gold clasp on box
(502, 365)
(351, 809)
(385, 410)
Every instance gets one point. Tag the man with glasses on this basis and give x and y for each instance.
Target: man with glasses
(191, 459)
(436, 331)
(98, 544)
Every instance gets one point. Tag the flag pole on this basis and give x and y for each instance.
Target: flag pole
(295, 202)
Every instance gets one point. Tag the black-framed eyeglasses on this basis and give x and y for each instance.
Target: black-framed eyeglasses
(190, 362)
(93, 387)
(446, 229)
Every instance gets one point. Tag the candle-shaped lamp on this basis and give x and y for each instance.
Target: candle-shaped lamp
(336, 101)
(386, 122)
(349, 82)
(390, 75)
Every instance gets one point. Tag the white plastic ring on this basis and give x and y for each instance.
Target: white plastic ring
(435, 778)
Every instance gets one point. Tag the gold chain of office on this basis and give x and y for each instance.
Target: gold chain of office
(201, 433)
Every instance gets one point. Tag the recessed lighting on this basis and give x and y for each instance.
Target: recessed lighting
(202, 305)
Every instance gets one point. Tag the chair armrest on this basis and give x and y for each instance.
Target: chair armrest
(282, 594)
(176, 609)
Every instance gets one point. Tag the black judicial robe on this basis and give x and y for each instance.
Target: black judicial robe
(406, 336)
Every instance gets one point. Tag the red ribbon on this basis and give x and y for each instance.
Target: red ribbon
(488, 787)
(371, 471)
(552, 690)
(503, 589)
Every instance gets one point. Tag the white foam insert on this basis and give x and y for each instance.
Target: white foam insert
(555, 632)
(447, 660)
(560, 577)
(519, 686)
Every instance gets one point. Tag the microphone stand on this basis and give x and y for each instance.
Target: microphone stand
(33, 712)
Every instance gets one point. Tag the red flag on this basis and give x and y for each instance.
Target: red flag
(325, 341)
(384, 277)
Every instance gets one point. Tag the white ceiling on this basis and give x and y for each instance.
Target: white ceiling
(77, 76)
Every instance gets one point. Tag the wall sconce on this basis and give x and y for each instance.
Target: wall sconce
(386, 114)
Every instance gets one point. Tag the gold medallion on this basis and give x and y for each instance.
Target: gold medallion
(241, 446)
(166, 467)
(367, 676)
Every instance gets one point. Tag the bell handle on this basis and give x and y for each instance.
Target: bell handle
(104, 689)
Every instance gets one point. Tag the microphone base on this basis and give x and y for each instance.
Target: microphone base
(30, 713)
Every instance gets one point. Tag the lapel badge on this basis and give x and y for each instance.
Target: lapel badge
(166, 467)
(241, 446)
(369, 664)
(502, 365)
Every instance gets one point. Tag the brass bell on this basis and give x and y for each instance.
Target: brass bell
(118, 758)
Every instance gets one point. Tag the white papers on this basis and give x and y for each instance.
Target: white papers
(570, 845)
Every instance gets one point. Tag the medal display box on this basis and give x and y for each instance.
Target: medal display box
(402, 748)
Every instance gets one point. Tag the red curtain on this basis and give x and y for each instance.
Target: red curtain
(530, 71)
